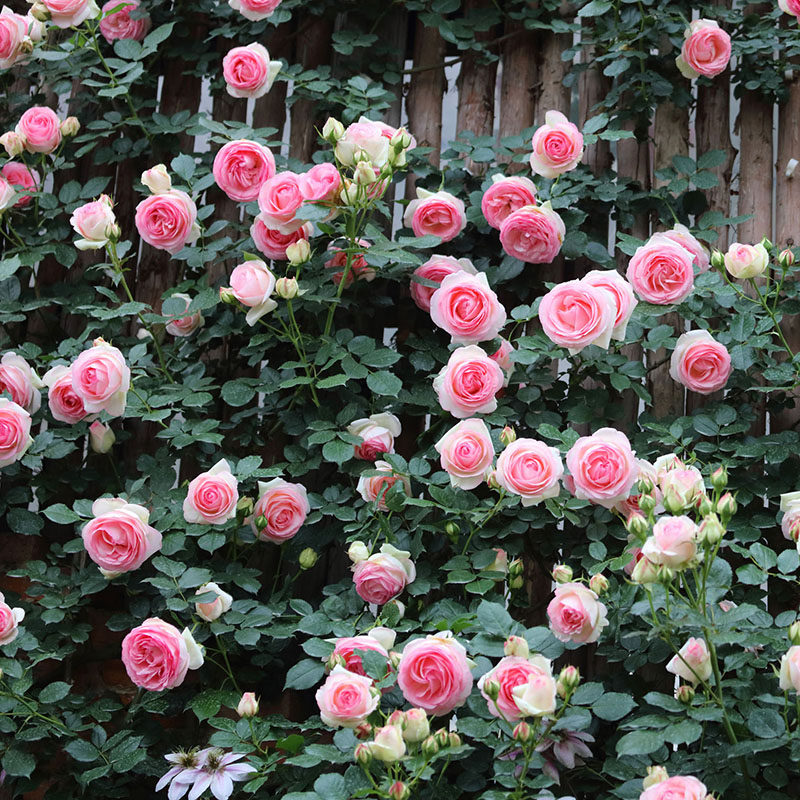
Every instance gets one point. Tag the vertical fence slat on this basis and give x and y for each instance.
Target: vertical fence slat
(593, 86)
(517, 83)
(270, 110)
(552, 94)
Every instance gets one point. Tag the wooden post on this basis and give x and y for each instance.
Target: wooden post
(270, 110)
(552, 94)
(593, 86)
(517, 85)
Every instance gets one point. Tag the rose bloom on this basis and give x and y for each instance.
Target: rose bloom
(673, 543)
(272, 243)
(387, 746)
(254, 10)
(346, 699)
(790, 669)
(101, 378)
(9, 621)
(13, 31)
(624, 299)
(7, 194)
(252, 284)
(510, 672)
(505, 196)
(365, 138)
(790, 525)
(700, 363)
(373, 488)
(533, 234)
(40, 127)
(346, 648)
(706, 50)
(467, 308)
(467, 453)
(436, 269)
(576, 614)
(746, 261)
(575, 314)
(434, 674)
(530, 469)
(382, 576)
(186, 325)
(65, 404)
(684, 483)
(321, 184)
(468, 383)
(661, 271)
(213, 609)
(212, 496)
(693, 662)
(557, 146)
(285, 507)
(119, 538)
(537, 696)
(603, 467)
(248, 71)
(378, 432)
(790, 7)
(242, 167)
(437, 213)
(120, 24)
(279, 199)
(681, 235)
(94, 222)
(157, 655)
(503, 359)
(21, 177)
(359, 269)
(679, 787)
(20, 381)
(168, 221)
(70, 13)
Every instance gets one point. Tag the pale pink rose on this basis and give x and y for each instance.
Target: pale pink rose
(468, 383)
(624, 299)
(789, 674)
(533, 234)
(684, 484)
(510, 672)
(434, 674)
(95, 223)
(575, 614)
(188, 324)
(13, 32)
(557, 146)
(359, 269)
(346, 647)
(119, 538)
(168, 221)
(41, 129)
(212, 609)
(503, 359)
(603, 467)
(254, 10)
(467, 308)
(693, 662)
(157, 655)
(700, 363)
(212, 496)
(575, 314)
(71, 13)
(280, 199)
(790, 7)
(65, 404)
(467, 453)
(248, 71)
(321, 184)
(505, 196)
(120, 24)
(284, 506)
(661, 271)
(21, 177)
(363, 140)
(9, 621)
(20, 381)
(346, 699)
(242, 167)
(537, 696)
(673, 542)
(530, 469)
(272, 243)
(746, 260)
(706, 49)
(790, 524)
(382, 576)
(436, 213)
(101, 378)
(373, 488)
(13, 143)
(683, 236)
(378, 432)
(252, 285)
(679, 787)
(7, 195)
(436, 269)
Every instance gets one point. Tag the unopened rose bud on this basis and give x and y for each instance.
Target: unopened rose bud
(394, 658)
(248, 705)
(491, 689)
(298, 252)
(332, 130)
(684, 694)
(767, 244)
(363, 754)
(654, 775)
(710, 530)
(718, 260)
(399, 791)
(570, 676)
(794, 632)
(101, 437)
(401, 609)
(726, 506)
(364, 174)
(287, 288)
(416, 726)
(113, 232)
(515, 568)
(637, 525)
(516, 646)
(786, 258)
(157, 179)
(70, 126)
(719, 478)
(358, 552)
(454, 740)
(501, 561)
(645, 485)
(562, 573)
(40, 12)
(673, 502)
(508, 435)
(430, 747)
(598, 583)
(226, 296)
(522, 732)
(26, 46)
(349, 194)
(13, 142)
(451, 528)
(704, 507)
(261, 522)
(644, 571)
(245, 506)
(665, 574)
(335, 660)
(516, 582)
(442, 737)
(400, 140)
(647, 503)
(491, 481)
(308, 558)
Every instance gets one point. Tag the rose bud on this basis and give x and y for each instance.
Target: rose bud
(416, 727)
(396, 718)
(157, 179)
(786, 258)
(647, 503)
(794, 632)
(13, 143)
(455, 739)
(287, 288)
(645, 571)
(399, 791)
(718, 260)
(719, 478)
(562, 573)
(101, 437)
(226, 296)
(332, 130)
(598, 583)
(637, 524)
(40, 11)
(704, 507)
(308, 558)
(491, 689)
(710, 530)
(298, 252)
(362, 754)
(516, 582)
(430, 747)
(522, 732)
(655, 775)
(516, 646)
(568, 680)
(70, 126)
(508, 435)
(665, 574)
(248, 705)
(685, 694)
(515, 568)
(357, 552)
(726, 506)
(363, 731)
(442, 737)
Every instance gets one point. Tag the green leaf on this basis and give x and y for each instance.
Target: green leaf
(639, 743)
(331, 787)
(304, 674)
(20, 520)
(173, 569)
(81, 750)
(494, 619)
(765, 723)
(18, 763)
(613, 706)
(337, 451)
(60, 514)
(54, 692)
(237, 393)
(384, 383)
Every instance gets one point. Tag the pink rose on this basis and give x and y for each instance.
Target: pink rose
(624, 299)
(284, 506)
(119, 538)
(254, 10)
(467, 308)
(359, 269)
(790, 524)
(272, 243)
(168, 221)
(248, 71)
(213, 609)
(789, 674)
(321, 184)
(436, 269)
(700, 363)
(533, 234)
(95, 223)
(575, 314)
(347, 646)
(603, 467)
(679, 787)
(21, 177)
(346, 699)
(503, 359)
(7, 195)
(212, 496)
(9, 621)
(242, 167)
(434, 674)
(510, 672)
(40, 127)
(101, 378)
(378, 432)
(382, 576)
(790, 7)
(120, 24)
(576, 615)
(557, 146)
(505, 196)
(661, 271)
(65, 404)
(188, 324)
(683, 236)
(706, 50)
(466, 452)
(280, 199)
(252, 284)
(157, 655)
(20, 381)
(530, 469)
(673, 543)
(436, 213)
(13, 31)
(745, 261)
(373, 488)
(468, 383)
(363, 140)
(684, 484)
(70, 13)
(693, 662)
